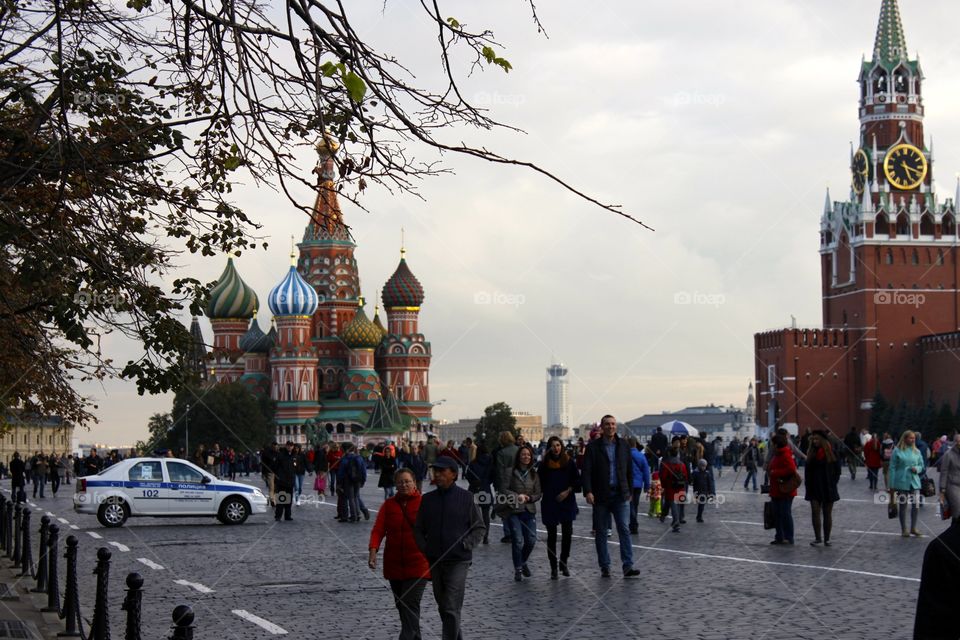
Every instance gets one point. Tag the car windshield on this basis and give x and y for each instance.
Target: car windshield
(180, 472)
(147, 471)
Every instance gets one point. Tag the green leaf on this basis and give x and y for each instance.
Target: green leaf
(489, 54)
(328, 69)
(453, 23)
(356, 87)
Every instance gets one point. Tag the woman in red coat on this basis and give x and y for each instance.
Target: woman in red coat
(782, 467)
(873, 458)
(404, 565)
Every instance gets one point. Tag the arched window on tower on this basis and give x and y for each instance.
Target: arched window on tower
(901, 80)
(927, 227)
(949, 226)
(903, 226)
(889, 257)
(880, 81)
(939, 257)
(914, 258)
(882, 225)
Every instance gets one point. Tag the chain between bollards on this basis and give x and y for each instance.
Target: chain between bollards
(182, 623)
(101, 611)
(53, 582)
(42, 562)
(131, 604)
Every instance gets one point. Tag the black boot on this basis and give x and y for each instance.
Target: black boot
(563, 568)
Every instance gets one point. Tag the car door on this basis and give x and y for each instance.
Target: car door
(189, 494)
(148, 493)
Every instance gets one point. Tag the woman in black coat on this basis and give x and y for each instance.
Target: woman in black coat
(821, 475)
(479, 475)
(559, 483)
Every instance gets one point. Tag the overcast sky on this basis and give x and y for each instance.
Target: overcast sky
(720, 124)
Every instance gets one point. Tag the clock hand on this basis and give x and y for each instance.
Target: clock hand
(909, 169)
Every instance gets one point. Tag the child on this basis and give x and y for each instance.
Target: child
(704, 488)
(656, 491)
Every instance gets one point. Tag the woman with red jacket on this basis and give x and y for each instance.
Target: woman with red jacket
(873, 458)
(782, 468)
(404, 565)
(674, 479)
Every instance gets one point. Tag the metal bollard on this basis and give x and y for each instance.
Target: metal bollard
(101, 612)
(17, 514)
(182, 623)
(3, 522)
(53, 582)
(42, 559)
(131, 604)
(26, 555)
(71, 608)
(8, 516)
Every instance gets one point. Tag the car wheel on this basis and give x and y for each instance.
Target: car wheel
(233, 511)
(113, 513)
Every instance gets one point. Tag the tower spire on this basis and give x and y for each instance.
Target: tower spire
(403, 246)
(891, 43)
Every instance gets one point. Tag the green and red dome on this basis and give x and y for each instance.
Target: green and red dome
(402, 289)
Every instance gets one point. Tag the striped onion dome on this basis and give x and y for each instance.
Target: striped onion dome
(377, 323)
(231, 297)
(361, 333)
(255, 340)
(402, 289)
(293, 296)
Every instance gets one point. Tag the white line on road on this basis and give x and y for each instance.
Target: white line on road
(51, 514)
(63, 521)
(759, 524)
(874, 533)
(94, 534)
(195, 585)
(74, 527)
(260, 622)
(122, 547)
(150, 563)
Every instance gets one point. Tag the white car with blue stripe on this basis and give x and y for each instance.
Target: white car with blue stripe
(163, 487)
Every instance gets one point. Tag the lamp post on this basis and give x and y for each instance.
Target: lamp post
(186, 439)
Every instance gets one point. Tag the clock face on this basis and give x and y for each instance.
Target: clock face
(861, 171)
(905, 166)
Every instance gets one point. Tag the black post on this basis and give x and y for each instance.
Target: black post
(71, 608)
(26, 559)
(17, 511)
(53, 580)
(42, 558)
(3, 522)
(8, 516)
(131, 604)
(101, 612)
(182, 623)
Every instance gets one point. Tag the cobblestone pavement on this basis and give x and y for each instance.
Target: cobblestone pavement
(719, 579)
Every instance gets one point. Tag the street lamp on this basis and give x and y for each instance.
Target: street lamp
(186, 439)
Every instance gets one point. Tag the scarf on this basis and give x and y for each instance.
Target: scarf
(557, 462)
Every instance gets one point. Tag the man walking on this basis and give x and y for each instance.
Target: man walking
(608, 487)
(284, 470)
(448, 526)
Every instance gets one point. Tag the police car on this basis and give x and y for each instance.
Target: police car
(163, 487)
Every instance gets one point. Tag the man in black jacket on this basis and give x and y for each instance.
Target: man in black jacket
(608, 486)
(268, 459)
(939, 589)
(448, 526)
(659, 444)
(284, 468)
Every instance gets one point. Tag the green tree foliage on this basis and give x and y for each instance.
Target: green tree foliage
(943, 425)
(227, 414)
(879, 415)
(496, 418)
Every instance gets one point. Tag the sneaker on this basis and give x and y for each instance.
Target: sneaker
(699, 519)
(604, 573)
(506, 540)
(609, 533)
(553, 574)
(517, 576)
(676, 528)
(631, 573)
(826, 543)
(634, 530)
(526, 571)
(683, 521)
(814, 543)
(916, 533)
(905, 534)
(777, 542)
(366, 514)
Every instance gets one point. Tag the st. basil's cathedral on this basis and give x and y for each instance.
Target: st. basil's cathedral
(329, 367)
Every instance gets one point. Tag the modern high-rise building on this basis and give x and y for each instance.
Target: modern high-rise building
(558, 399)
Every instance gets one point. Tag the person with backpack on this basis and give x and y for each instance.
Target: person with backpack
(751, 462)
(886, 454)
(479, 477)
(673, 476)
(351, 476)
(18, 478)
(704, 487)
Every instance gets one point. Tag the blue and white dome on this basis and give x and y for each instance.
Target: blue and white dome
(293, 296)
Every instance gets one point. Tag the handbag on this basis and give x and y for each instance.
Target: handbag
(769, 520)
(892, 510)
(791, 484)
(928, 487)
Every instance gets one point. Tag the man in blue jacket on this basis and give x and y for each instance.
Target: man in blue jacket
(448, 526)
(608, 488)
(641, 481)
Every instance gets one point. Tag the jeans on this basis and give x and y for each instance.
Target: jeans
(634, 506)
(449, 585)
(407, 595)
(333, 483)
(903, 499)
(297, 488)
(525, 537)
(38, 481)
(350, 494)
(54, 483)
(751, 475)
(388, 492)
(508, 532)
(619, 508)
(874, 477)
(718, 465)
(566, 533)
(782, 511)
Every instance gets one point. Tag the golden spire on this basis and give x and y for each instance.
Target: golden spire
(403, 250)
(293, 256)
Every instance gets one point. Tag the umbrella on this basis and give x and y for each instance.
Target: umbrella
(676, 427)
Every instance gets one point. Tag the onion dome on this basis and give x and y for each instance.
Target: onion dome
(231, 297)
(293, 296)
(361, 333)
(402, 289)
(377, 323)
(255, 340)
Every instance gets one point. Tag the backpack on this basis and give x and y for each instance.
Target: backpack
(353, 470)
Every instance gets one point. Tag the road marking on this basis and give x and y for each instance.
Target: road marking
(150, 563)
(74, 527)
(759, 524)
(195, 585)
(873, 533)
(63, 521)
(94, 534)
(51, 514)
(122, 547)
(266, 625)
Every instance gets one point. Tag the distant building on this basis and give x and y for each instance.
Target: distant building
(711, 421)
(530, 427)
(47, 434)
(558, 400)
